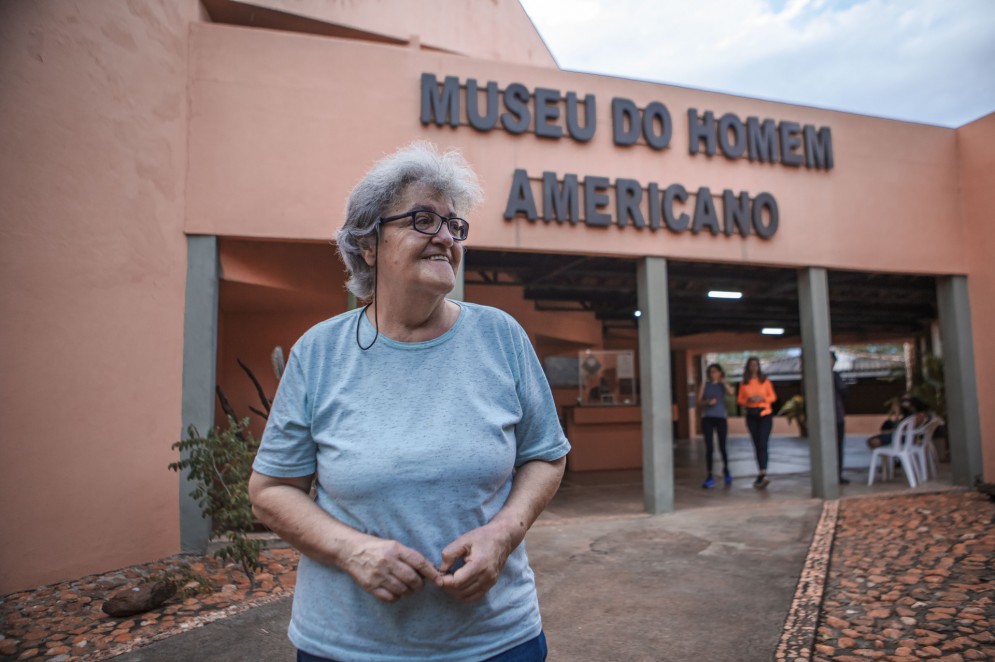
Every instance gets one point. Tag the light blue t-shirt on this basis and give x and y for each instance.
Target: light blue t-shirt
(415, 442)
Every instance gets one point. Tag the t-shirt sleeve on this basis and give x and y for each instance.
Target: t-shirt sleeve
(538, 434)
(287, 449)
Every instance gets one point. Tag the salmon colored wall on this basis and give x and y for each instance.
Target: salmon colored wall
(274, 114)
(550, 332)
(282, 275)
(271, 293)
(498, 30)
(976, 143)
(94, 109)
(252, 337)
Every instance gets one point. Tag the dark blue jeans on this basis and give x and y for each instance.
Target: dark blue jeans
(533, 650)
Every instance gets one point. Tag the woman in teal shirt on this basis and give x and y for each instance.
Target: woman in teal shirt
(433, 436)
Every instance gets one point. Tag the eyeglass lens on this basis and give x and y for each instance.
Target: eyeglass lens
(429, 222)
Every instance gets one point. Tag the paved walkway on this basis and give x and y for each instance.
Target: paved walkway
(713, 584)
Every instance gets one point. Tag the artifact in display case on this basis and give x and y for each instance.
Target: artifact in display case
(607, 377)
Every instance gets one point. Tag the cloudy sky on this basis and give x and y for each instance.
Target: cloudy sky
(930, 61)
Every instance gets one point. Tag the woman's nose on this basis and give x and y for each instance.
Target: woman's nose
(444, 236)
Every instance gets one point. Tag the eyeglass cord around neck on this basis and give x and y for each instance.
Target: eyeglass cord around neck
(376, 315)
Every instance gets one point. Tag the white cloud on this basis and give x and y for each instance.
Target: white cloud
(920, 60)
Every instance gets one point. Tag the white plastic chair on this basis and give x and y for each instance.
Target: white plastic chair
(923, 450)
(902, 440)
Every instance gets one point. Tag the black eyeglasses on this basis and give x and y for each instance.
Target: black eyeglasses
(429, 222)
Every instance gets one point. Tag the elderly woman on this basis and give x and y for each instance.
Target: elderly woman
(433, 435)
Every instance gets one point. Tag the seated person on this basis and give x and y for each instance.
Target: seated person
(909, 405)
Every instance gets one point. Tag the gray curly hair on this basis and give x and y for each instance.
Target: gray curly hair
(447, 174)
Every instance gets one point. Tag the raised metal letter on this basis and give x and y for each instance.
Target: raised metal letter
(624, 110)
(735, 149)
(703, 130)
(679, 224)
(595, 196)
(546, 109)
(560, 204)
(818, 147)
(657, 111)
(435, 107)
(578, 132)
(518, 117)
(760, 203)
(520, 199)
(704, 212)
(628, 196)
(736, 212)
(478, 121)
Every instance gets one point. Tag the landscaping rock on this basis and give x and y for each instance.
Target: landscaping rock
(139, 599)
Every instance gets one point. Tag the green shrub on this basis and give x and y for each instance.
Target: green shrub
(220, 465)
(794, 410)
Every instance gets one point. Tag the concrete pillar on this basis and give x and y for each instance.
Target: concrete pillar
(654, 383)
(458, 292)
(200, 357)
(817, 369)
(960, 387)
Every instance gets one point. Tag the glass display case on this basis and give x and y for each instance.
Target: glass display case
(607, 377)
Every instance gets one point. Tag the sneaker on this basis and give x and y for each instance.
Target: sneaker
(709, 483)
(727, 477)
(761, 482)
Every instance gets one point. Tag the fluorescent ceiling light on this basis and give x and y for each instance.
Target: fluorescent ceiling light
(719, 294)
(772, 331)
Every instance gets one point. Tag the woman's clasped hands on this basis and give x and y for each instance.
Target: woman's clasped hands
(389, 570)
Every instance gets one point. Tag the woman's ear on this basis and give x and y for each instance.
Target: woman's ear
(370, 255)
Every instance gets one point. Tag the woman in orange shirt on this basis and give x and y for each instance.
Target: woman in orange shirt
(756, 394)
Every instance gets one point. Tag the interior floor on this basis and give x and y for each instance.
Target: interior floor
(620, 493)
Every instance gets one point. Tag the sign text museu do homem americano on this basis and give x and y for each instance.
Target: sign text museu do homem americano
(760, 140)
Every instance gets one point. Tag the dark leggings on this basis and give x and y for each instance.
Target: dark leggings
(720, 427)
(760, 434)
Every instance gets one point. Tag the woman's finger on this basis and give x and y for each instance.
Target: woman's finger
(408, 576)
(455, 551)
(395, 586)
(419, 563)
(462, 586)
(383, 594)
